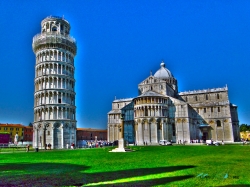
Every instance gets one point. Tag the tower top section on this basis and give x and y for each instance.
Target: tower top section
(54, 34)
(55, 25)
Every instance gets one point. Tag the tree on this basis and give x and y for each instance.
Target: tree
(244, 127)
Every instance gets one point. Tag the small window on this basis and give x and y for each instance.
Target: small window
(218, 96)
(218, 123)
(205, 110)
(206, 97)
(117, 105)
(196, 98)
(48, 132)
(218, 109)
(59, 101)
(212, 109)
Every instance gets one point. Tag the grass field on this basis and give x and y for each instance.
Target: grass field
(147, 166)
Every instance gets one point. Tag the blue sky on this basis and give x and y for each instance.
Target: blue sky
(205, 44)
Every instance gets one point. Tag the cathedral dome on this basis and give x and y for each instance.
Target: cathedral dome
(163, 73)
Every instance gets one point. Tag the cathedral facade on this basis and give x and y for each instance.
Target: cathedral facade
(160, 112)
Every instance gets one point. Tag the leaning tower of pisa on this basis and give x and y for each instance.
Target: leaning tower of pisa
(54, 97)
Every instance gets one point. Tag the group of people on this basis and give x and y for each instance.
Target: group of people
(48, 146)
(244, 141)
(180, 142)
(72, 146)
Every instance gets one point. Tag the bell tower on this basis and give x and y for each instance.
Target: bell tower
(54, 96)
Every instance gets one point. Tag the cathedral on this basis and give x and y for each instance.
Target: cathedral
(160, 112)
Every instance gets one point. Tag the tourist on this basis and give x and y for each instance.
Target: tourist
(27, 148)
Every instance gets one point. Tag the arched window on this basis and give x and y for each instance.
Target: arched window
(146, 111)
(218, 96)
(206, 97)
(196, 98)
(54, 29)
(218, 123)
(218, 109)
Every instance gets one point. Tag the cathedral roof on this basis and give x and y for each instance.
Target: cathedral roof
(115, 111)
(150, 93)
(163, 73)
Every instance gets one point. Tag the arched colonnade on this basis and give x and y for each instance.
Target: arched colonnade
(54, 82)
(54, 68)
(53, 113)
(54, 97)
(54, 55)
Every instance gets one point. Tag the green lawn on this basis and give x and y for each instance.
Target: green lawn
(147, 166)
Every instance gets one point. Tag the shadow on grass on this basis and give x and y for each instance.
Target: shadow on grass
(53, 174)
(236, 185)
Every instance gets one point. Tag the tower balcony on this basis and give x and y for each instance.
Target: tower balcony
(52, 38)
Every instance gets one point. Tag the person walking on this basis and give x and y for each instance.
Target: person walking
(27, 148)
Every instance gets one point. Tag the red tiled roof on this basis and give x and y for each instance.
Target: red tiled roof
(11, 125)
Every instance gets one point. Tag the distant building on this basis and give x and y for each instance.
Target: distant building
(90, 134)
(13, 129)
(245, 135)
(54, 98)
(27, 134)
(160, 112)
